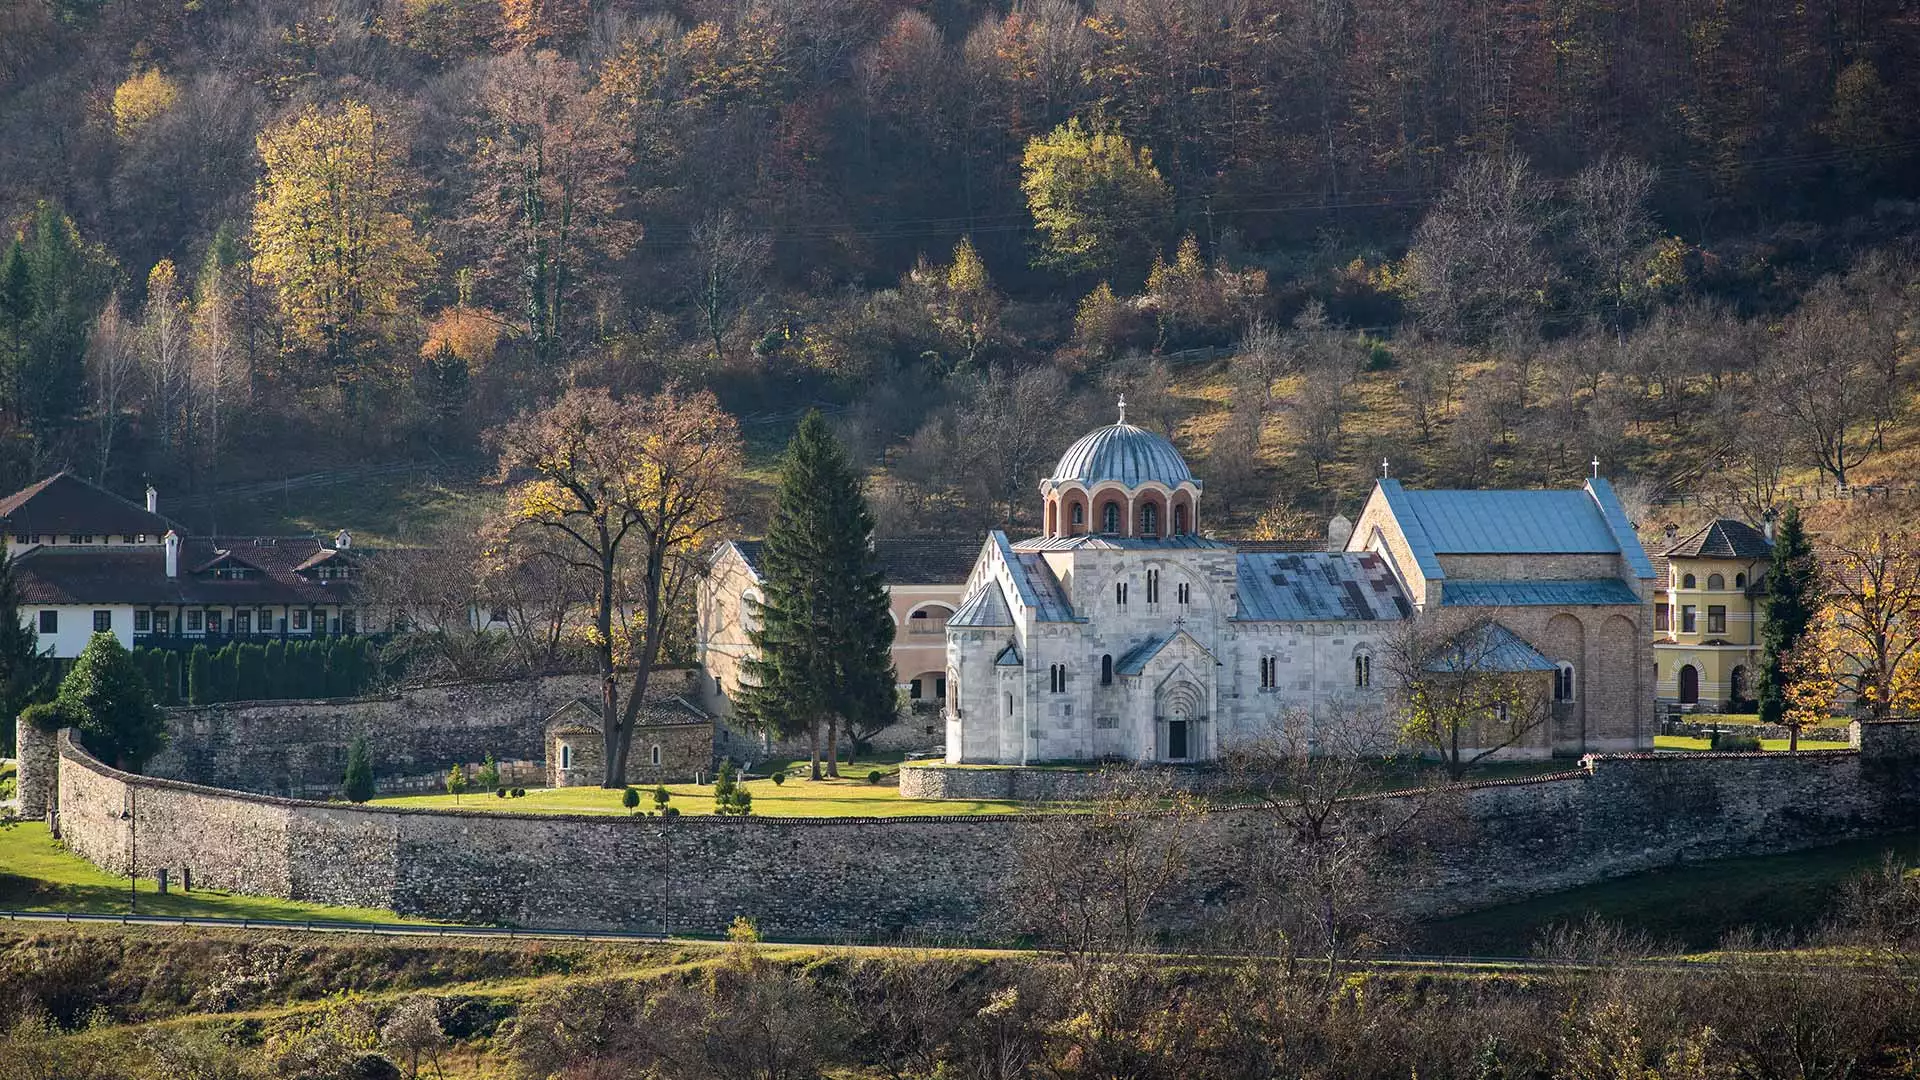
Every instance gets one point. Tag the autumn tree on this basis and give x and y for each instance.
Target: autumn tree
(546, 209)
(962, 300)
(330, 231)
(627, 490)
(1869, 621)
(1096, 197)
(1465, 688)
(542, 24)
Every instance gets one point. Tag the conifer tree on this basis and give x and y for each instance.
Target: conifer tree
(23, 670)
(112, 704)
(1792, 600)
(357, 785)
(200, 676)
(824, 639)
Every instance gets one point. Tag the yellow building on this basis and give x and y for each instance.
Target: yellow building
(1708, 614)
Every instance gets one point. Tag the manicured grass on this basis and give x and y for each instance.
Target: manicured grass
(39, 874)
(1691, 906)
(1683, 742)
(850, 796)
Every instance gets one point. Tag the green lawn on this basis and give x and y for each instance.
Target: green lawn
(1682, 742)
(851, 796)
(38, 874)
(1691, 906)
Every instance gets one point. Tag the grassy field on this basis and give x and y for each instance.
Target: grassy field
(851, 796)
(1691, 906)
(1683, 742)
(39, 874)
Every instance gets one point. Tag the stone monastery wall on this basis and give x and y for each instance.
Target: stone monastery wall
(299, 748)
(862, 878)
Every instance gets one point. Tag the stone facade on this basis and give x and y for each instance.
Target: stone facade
(660, 754)
(299, 748)
(37, 769)
(879, 878)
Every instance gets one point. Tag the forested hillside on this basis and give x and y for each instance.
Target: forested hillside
(1485, 241)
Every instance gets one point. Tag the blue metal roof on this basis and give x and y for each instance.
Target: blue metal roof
(1624, 536)
(1008, 657)
(1123, 453)
(1317, 587)
(1532, 593)
(1489, 648)
(1134, 660)
(1511, 522)
(987, 607)
(1049, 600)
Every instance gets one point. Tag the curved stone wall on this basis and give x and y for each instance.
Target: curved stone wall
(1031, 783)
(873, 878)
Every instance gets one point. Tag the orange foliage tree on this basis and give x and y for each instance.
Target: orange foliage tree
(626, 491)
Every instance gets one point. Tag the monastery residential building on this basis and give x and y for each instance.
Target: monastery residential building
(90, 562)
(925, 577)
(1123, 631)
(1708, 617)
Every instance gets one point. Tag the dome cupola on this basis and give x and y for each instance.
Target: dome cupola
(1121, 480)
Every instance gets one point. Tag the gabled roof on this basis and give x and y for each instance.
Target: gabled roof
(1489, 648)
(1537, 593)
(1317, 587)
(1008, 657)
(583, 714)
(1135, 660)
(986, 607)
(64, 504)
(137, 574)
(1049, 600)
(904, 560)
(1585, 520)
(1723, 538)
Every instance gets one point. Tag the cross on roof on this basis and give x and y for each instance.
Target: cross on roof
(1385, 469)
(1123, 408)
(1596, 466)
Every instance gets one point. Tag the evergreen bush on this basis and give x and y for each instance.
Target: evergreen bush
(357, 785)
(200, 676)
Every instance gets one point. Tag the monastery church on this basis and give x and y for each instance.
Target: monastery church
(1124, 631)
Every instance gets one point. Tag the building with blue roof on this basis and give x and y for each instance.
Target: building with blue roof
(1123, 631)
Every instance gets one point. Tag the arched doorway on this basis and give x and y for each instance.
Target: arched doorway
(1689, 685)
(1180, 708)
(1738, 680)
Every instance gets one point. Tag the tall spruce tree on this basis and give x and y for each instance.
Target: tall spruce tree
(823, 646)
(23, 671)
(1792, 601)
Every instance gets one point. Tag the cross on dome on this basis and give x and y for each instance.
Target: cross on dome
(1123, 408)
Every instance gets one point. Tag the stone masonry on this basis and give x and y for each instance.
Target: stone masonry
(867, 878)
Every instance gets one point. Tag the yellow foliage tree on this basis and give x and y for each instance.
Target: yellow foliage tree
(1869, 625)
(529, 24)
(141, 100)
(331, 235)
(1095, 196)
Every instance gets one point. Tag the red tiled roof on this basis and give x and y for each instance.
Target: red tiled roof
(138, 574)
(64, 504)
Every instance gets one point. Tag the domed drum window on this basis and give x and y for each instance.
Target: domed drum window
(1149, 520)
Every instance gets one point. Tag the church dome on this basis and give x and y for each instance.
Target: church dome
(1124, 454)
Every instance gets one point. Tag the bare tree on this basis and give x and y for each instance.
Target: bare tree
(1009, 432)
(1832, 375)
(1429, 378)
(1477, 264)
(1610, 226)
(112, 366)
(729, 259)
(1261, 360)
(1464, 687)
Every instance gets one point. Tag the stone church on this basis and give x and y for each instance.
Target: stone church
(1124, 631)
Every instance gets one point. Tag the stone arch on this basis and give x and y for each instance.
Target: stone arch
(1181, 513)
(1614, 693)
(1564, 641)
(1178, 707)
(1149, 513)
(929, 617)
(1053, 515)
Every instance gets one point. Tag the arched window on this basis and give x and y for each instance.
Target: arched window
(1563, 682)
(1715, 581)
(1739, 581)
(1149, 519)
(1120, 593)
(1269, 672)
(1153, 586)
(1739, 692)
(1009, 705)
(1688, 582)
(1689, 685)
(1110, 518)
(1183, 593)
(1179, 520)
(1079, 518)
(1362, 670)
(654, 758)
(931, 619)
(1057, 678)
(1106, 670)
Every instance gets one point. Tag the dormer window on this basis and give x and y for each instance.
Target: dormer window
(231, 572)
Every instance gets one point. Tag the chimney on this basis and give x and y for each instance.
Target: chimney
(153, 500)
(342, 540)
(1339, 532)
(172, 540)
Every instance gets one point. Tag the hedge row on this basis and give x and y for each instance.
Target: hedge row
(248, 671)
